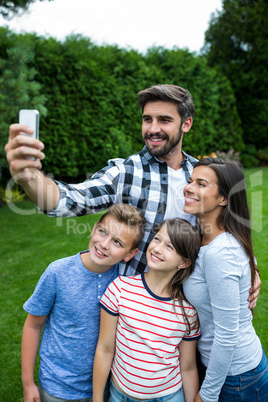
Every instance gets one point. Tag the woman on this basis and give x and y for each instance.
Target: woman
(236, 366)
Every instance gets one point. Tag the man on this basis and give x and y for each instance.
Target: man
(152, 180)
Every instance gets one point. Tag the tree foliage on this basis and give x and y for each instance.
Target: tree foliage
(216, 123)
(9, 8)
(237, 43)
(18, 87)
(89, 93)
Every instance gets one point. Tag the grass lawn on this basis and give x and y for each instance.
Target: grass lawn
(30, 241)
(257, 190)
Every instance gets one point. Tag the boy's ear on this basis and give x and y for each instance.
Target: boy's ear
(184, 264)
(131, 254)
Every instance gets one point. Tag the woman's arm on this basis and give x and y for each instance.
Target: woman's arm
(223, 271)
(198, 398)
(189, 374)
(29, 348)
(104, 354)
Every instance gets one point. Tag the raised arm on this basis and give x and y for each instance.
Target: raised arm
(189, 374)
(29, 348)
(26, 172)
(104, 354)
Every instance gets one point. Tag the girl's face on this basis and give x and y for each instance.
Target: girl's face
(161, 254)
(201, 193)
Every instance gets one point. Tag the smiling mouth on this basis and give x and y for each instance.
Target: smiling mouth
(155, 258)
(99, 253)
(156, 138)
(189, 200)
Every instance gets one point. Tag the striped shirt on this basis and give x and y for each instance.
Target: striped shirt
(140, 180)
(149, 329)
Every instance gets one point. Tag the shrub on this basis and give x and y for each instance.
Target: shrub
(248, 157)
(231, 155)
(262, 155)
(89, 93)
(10, 195)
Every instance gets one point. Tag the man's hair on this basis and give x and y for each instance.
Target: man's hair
(130, 216)
(169, 93)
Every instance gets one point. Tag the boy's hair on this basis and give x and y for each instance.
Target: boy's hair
(169, 93)
(186, 240)
(130, 216)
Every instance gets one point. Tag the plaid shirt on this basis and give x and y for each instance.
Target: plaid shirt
(140, 180)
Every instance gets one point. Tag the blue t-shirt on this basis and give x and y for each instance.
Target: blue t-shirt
(69, 294)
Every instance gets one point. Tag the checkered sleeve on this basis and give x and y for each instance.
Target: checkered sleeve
(103, 189)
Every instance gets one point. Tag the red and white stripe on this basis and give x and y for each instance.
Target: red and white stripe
(149, 330)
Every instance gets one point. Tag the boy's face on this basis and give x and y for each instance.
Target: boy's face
(111, 242)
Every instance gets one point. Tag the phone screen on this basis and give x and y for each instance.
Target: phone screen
(30, 117)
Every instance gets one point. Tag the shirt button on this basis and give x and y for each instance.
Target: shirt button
(99, 275)
(98, 297)
(99, 286)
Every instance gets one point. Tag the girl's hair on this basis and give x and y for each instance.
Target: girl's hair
(235, 217)
(186, 241)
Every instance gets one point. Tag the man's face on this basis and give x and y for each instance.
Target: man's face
(162, 129)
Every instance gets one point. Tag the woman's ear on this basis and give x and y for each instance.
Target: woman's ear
(223, 202)
(184, 264)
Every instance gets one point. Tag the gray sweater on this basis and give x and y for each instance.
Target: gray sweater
(218, 289)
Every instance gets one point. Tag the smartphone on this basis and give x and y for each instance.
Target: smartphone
(30, 117)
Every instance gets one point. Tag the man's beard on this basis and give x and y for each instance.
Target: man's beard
(166, 149)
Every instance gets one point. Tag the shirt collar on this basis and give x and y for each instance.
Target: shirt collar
(152, 159)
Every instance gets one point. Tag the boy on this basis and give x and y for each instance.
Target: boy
(66, 302)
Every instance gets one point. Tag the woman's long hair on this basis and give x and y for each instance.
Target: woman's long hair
(235, 217)
(186, 241)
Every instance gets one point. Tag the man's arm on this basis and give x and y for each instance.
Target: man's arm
(104, 354)
(26, 172)
(29, 348)
(189, 374)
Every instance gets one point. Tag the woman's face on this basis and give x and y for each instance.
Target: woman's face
(201, 193)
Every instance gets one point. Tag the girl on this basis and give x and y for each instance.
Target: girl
(146, 324)
(236, 366)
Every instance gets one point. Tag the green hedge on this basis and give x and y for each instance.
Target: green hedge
(87, 98)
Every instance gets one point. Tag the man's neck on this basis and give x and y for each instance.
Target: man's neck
(173, 159)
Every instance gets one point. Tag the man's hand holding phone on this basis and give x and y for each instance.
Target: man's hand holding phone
(24, 152)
